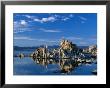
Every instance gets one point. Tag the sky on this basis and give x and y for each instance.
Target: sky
(35, 29)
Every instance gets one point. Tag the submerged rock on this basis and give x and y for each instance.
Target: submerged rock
(21, 55)
(94, 72)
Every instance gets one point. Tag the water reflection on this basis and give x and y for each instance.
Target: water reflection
(66, 65)
(52, 66)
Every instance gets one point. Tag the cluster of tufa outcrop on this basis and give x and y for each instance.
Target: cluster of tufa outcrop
(67, 55)
(65, 50)
(91, 49)
(40, 53)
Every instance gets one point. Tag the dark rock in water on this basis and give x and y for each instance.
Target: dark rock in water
(88, 61)
(21, 55)
(94, 72)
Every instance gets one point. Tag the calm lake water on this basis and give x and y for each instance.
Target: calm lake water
(27, 66)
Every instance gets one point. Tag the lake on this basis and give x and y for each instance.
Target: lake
(27, 66)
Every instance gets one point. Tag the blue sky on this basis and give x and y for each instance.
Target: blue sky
(34, 29)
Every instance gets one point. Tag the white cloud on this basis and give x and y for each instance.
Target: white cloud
(71, 15)
(18, 30)
(43, 20)
(23, 22)
(15, 22)
(51, 31)
(38, 20)
(51, 18)
(45, 30)
(20, 26)
(28, 16)
(57, 16)
(20, 23)
(65, 18)
(23, 38)
(35, 39)
(82, 18)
